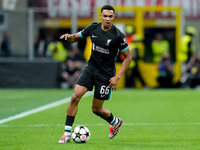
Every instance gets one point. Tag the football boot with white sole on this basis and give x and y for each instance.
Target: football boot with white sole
(115, 129)
(65, 139)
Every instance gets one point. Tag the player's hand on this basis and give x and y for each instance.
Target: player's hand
(113, 82)
(66, 36)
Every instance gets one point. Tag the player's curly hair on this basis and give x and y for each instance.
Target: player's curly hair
(107, 7)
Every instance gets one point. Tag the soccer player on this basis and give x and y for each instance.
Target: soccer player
(107, 39)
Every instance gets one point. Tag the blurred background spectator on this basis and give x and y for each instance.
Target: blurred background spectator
(187, 46)
(57, 51)
(186, 54)
(165, 69)
(43, 45)
(72, 69)
(193, 79)
(5, 50)
(159, 47)
(135, 44)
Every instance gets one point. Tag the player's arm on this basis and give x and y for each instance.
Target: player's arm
(114, 80)
(71, 38)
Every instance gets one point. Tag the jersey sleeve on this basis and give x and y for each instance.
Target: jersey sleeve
(123, 45)
(86, 31)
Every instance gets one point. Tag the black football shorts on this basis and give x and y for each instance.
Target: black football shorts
(102, 90)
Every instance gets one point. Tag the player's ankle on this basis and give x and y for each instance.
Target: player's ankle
(115, 122)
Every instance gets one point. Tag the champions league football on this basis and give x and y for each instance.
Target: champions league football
(81, 134)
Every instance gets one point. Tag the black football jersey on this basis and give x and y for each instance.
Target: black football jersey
(105, 48)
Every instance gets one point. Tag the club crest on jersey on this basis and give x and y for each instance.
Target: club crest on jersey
(108, 42)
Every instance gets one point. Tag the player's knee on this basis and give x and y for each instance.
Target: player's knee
(75, 98)
(95, 110)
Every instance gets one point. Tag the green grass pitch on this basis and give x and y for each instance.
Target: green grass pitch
(153, 119)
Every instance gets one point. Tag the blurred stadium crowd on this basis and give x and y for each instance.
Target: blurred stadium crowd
(165, 52)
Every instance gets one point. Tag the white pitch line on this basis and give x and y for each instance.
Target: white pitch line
(36, 110)
(103, 124)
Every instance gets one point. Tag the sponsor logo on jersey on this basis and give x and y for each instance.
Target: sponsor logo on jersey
(99, 49)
